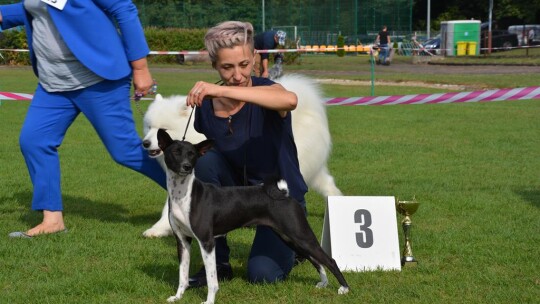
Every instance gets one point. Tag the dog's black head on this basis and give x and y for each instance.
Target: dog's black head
(181, 156)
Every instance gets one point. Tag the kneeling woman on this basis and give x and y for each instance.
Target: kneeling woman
(250, 120)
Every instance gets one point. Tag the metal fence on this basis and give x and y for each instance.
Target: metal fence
(311, 21)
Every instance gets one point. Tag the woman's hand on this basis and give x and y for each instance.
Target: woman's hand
(142, 79)
(201, 90)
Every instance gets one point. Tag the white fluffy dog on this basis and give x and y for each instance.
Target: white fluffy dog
(310, 129)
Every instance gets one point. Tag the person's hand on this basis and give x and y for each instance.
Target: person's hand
(142, 79)
(201, 90)
(265, 74)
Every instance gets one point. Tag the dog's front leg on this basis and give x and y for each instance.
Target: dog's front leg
(208, 253)
(183, 245)
(162, 227)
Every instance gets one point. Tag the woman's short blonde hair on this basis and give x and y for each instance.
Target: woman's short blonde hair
(228, 34)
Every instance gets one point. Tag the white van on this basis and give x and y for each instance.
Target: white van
(522, 32)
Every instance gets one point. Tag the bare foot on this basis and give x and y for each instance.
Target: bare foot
(53, 221)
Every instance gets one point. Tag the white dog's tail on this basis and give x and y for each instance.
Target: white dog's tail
(276, 188)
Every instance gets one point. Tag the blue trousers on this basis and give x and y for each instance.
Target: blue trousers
(270, 259)
(383, 53)
(107, 106)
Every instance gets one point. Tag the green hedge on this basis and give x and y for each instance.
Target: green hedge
(168, 39)
(14, 39)
(159, 39)
(173, 39)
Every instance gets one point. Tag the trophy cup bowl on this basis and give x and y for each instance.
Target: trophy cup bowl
(407, 208)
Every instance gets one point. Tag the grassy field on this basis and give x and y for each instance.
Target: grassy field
(473, 167)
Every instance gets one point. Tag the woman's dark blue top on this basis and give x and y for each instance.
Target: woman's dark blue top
(257, 138)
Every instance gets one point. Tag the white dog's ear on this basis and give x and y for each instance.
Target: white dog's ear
(159, 97)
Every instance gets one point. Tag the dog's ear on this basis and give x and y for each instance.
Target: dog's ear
(204, 146)
(158, 97)
(164, 139)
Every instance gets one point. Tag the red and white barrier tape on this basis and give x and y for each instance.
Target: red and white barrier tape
(316, 50)
(257, 51)
(13, 50)
(15, 96)
(475, 96)
(178, 52)
(24, 96)
(206, 52)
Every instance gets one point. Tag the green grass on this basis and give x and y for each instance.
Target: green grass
(473, 167)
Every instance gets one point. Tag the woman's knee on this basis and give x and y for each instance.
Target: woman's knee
(213, 168)
(125, 156)
(262, 269)
(26, 143)
(29, 143)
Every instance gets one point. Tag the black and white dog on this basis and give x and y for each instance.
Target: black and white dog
(194, 213)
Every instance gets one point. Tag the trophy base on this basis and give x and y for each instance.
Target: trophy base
(408, 262)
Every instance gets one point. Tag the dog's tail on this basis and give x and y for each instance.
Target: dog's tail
(276, 188)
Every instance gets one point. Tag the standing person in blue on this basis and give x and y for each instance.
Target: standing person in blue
(85, 55)
(384, 43)
(249, 118)
(266, 41)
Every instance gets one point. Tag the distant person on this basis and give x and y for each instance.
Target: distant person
(530, 37)
(384, 42)
(268, 40)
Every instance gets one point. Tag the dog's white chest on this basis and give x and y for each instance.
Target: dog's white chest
(179, 217)
(180, 206)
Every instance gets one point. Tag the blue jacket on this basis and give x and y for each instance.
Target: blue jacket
(89, 29)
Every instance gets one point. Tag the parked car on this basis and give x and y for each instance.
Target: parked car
(522, 32)
(433, 46)
(500, 39)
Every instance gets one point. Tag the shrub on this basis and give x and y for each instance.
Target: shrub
(167, 39)
(173, 39)
(290, 57)
(14, 39)
(340, 44)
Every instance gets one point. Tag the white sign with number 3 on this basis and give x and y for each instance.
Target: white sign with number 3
(360, 233)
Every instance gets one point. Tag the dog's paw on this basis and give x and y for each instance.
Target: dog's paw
(322, 284)
(343, 290)
(157, 232)
(173, 299)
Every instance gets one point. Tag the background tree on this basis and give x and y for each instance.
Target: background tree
(506, 12)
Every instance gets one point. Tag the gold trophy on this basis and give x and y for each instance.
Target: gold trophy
(407, 208)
